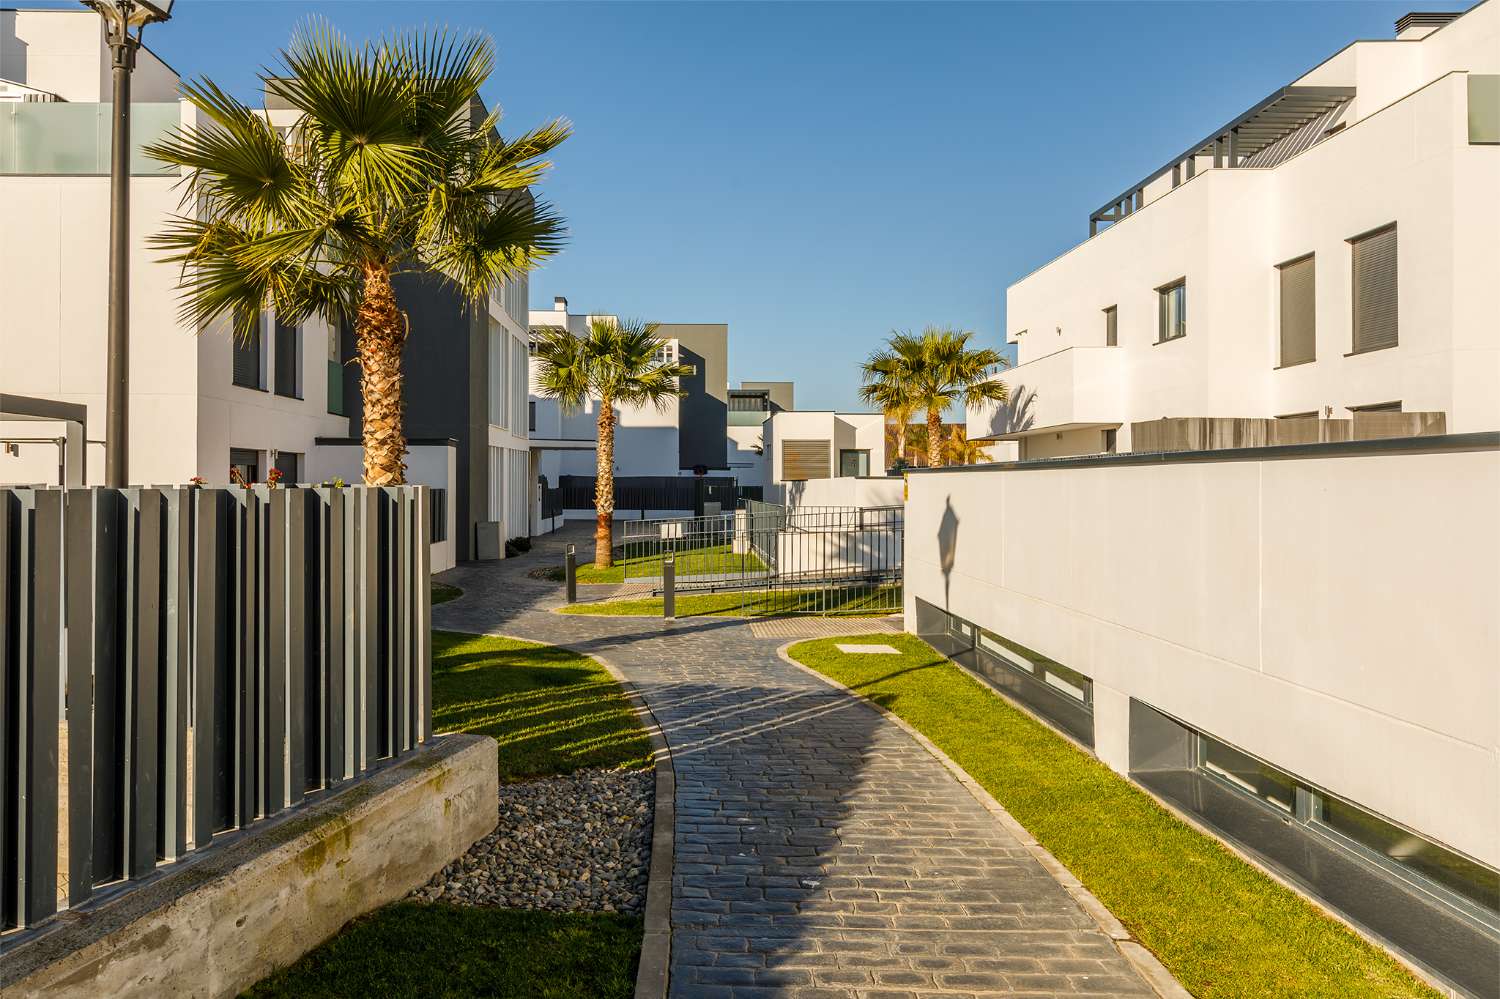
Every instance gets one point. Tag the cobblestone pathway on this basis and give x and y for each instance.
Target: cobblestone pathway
(819, 850)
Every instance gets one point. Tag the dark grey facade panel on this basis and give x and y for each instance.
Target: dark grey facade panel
(703, 411)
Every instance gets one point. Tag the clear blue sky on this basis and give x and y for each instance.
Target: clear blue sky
(816, 175)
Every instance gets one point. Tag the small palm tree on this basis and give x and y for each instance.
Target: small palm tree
(933, 371)
(391, 167)
(619, 364)
(963, 451)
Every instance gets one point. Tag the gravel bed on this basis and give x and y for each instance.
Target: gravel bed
(580, 843)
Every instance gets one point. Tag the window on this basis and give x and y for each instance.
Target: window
(1171, 311)
(335, 375)
(438, 515)
(802, 460)
(289, 464)
(1484, 109)
(1111, 441)
(1112, 326)
(249, 361)
(531, 416)
(244, 465)
(499, 375)
(1298, 319)
(1374, 290)
(854, 462)
(288, 360)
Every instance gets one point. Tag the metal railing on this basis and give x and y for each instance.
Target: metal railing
(176, 663)
(779, 560)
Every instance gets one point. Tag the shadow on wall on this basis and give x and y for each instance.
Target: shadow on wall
(1017, 413)
(947, 545)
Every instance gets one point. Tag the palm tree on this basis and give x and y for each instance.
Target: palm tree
(963, 451)
(390, 168)
(619, 364)
(933, 370)
(884, 384)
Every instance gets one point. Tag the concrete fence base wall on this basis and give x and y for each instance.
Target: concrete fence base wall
(251, 905)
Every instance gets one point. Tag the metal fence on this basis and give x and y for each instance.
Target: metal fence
(772, 559)
(177, 663)
(653, 492)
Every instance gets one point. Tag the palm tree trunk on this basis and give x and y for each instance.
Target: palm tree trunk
(604, 488)
(934, 438)
(379, 335)
(900, 439)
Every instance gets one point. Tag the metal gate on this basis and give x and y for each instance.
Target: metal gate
(772, 559)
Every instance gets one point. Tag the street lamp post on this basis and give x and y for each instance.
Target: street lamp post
(119, 17)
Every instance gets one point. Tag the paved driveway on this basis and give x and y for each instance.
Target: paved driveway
(819, 849)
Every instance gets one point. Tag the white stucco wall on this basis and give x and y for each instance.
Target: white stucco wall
(843, 431)
(1307, 611)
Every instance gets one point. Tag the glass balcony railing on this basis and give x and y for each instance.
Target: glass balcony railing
(69, 138)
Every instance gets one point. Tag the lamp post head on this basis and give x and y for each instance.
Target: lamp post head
(132, 13)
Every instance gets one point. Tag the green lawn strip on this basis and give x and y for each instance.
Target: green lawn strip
(750, 603)
(413, 951)
(1222, 927)
(690, 562)
(442, 593)
(549, 710)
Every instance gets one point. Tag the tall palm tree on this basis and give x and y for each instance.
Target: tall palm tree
(933, 370)
(619, 364)
(391, 167)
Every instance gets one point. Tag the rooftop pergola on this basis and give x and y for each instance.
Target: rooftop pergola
(1265, 124)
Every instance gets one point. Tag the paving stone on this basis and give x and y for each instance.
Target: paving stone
(820, 851)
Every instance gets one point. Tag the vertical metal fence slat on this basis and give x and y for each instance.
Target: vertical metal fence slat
(261, 679)
(388, 581)
(274, 700)
(176, 666)
(212, 668)
(367, 705)
(111, 609)
(243, 618)
(336, 627)
(424, 623)
(40, 650)
(83, 558)
(142, 676)
(400, 667)
(10, 623)
(295, 587)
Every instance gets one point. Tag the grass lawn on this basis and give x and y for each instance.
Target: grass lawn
(413, 951)
(549, 712)
(442, 593)
(690, 562)
(1222, 927)
(752, 603)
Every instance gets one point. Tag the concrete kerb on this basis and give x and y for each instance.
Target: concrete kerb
(1146, 964)
(656, 946)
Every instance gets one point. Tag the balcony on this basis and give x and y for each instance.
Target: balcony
(62, 138)
(1076, 388)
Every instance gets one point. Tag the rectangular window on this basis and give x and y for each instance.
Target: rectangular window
(854, 462)
(1484, 109)
(1298, 308)
(531, 416)
(1374, 290)
(1171, 311)
(439, 514)
(335, 374)
(802, 460)
(244, 466)
(249, 360)
(1247, 773)
(288, 360)
(1111, 441)
(289, 464)
(1112, 326)
(499, 355)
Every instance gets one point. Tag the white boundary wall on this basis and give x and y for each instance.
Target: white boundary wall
(1335, 616)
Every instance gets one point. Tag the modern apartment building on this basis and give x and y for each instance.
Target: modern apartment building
(750, 406)
(201, 402)
(1329, 252)
(687, 435)
(1295, 646)
(807, 445)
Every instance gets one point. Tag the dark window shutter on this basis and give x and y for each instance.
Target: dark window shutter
(247, 360)
(801, 460)
(1375, 290)
(288, 359)
(1298, 312)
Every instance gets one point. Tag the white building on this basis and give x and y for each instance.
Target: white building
(1332, 250)
(805, 447)
(684, 436)
(200, 402)
(1296, 646)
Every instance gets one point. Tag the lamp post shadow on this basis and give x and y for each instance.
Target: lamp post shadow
(947, 537)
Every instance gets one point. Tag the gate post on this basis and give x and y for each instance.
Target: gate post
(572, 574)
(669, 587)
